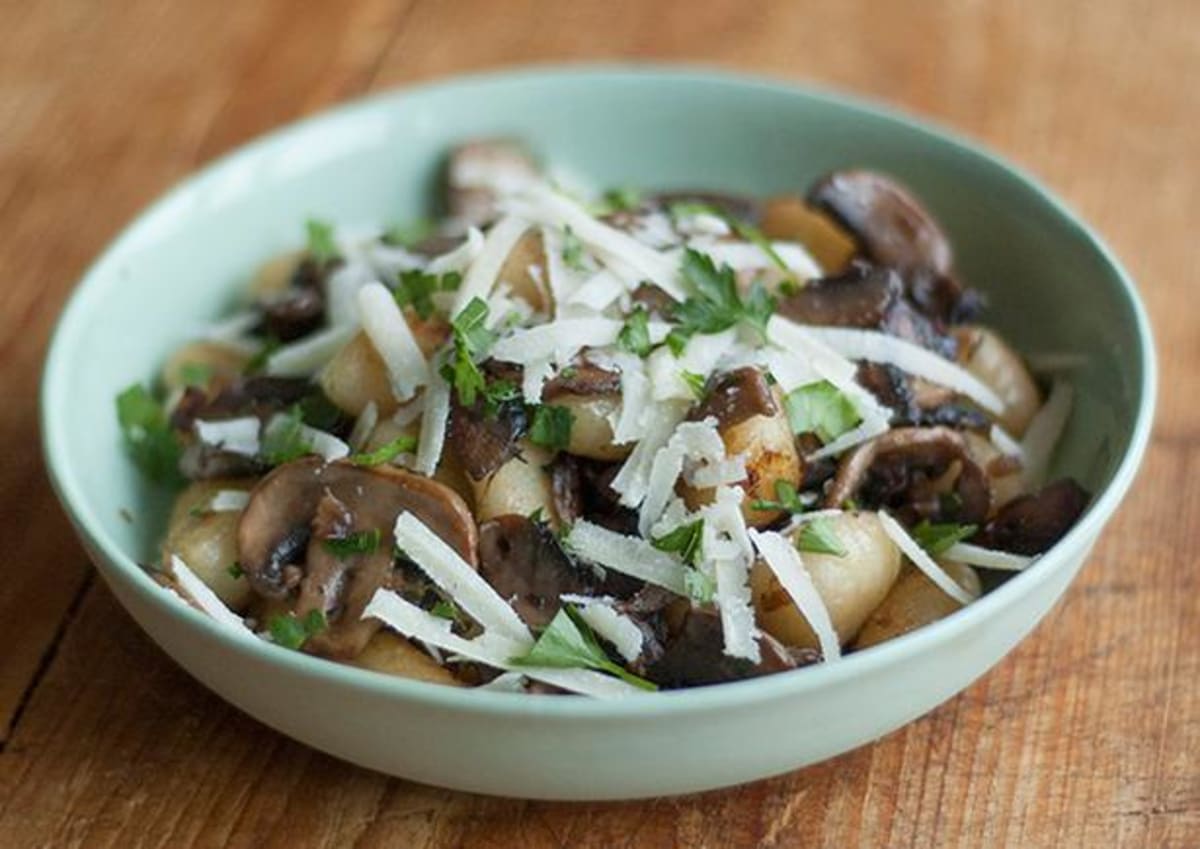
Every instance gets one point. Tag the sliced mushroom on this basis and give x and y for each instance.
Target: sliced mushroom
(258, 395)
(484, 439)
(582, 488)
(480, 172)
(525, 564)
(299, 505)
(1033, 523)
(916, 472)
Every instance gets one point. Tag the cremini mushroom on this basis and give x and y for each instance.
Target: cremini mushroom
(1032, 523)
(525, 564)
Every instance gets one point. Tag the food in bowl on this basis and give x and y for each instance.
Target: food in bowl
(645, 440)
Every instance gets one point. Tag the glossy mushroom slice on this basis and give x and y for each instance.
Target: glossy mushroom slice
(525, 564)
(480, 172)
(300, 507)
(917, 472)
(1032, 523)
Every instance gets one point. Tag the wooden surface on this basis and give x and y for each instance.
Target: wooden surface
(1088, 735)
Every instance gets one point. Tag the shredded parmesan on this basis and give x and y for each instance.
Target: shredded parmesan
(433, 426)
(558, 340)
(306, 356)
(785, 561)
(326, 444)
(364, 426)
(393, 340)
(341, 292)
(745, 256)
(1005, 443)
(236, 436)
(229, 501)
(457, 578)
(720, 473)
(696, 441)
(199, 592)
(628, 555)
(633, 477)
(459, 258)
(729, 553)
(484, 271)
(922, 560)
(1043, 433)
(987, 558)
(700, 356)
(606, 621)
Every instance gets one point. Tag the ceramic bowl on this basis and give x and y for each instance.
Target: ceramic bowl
(1053, 288)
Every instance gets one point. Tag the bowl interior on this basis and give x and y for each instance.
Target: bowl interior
(183, 262)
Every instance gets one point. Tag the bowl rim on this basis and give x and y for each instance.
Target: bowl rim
(665, 703)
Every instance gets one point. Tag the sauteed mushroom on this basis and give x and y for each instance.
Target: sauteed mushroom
(524, 562)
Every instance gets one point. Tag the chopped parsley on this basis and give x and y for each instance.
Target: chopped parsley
(714, 304)
(819, 537)
(936, 538)
(385, 453)
(291, 632)
(149, 438)
(321, 245)
(408, 234)
(359, 542)
(472, 340)
(445, 610)
(786, 498)
(551, 426)
(195, 374)
(235, 570)
(635, 335)
(568, 643)
(820, 408)
(316, 410)
(700, 587)
(284, 440)
(622, 199)
(416, 289)
(686, 540)
(695, 382)
(689, 208)
(572, 250)
(258, 362)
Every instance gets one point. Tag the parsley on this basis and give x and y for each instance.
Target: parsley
(291, 633)
(148, 436)
(538, 516)
(695, 382)
(786, 498)
(635, 335)
(385, 453)
(568, 373)
(284, 440)
(195, 374)
(688, 208)
(572, 250)
(551, 426)
(258, 362)
(700, 587)
(622, 199)
(819, 537)
(687, 540)
(822, 409)
(472, 340)
(409, 234)
(316, 410)
(235, 570)
(416, 288)
(715, 305)
(568, 643)
(359, 542)
(321, 245)
(445, 609)
(936, 538)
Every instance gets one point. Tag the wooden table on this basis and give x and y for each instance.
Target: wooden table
(1088, 735)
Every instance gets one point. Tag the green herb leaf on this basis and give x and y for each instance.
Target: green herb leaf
(472, 340)
(786, 498)
(551, 426)
(316, 410)
(321, 245)
(819, 537)
(359, 542)
(235, 570)
(416, 289)
(688, 208)
(715, 305)
(572, 250)
(635, 335)
(385, 453)
(936, 538)
(291, 632)
(258, 362)
(149, 438)
(822, 409)
(686, 540)
(445, 609)
(695, 382)
(568, 643)
(538, 516)
(196, 374)
(622, 199)
(700, 587)
(408, 234)
(284, 440)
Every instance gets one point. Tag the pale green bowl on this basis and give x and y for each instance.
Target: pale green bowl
(1052, 284)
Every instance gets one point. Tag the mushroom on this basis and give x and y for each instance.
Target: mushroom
(300, 505)
(480, 172)
(1032, 523)
(920, 472)
(789, 217)
(917, 402)
(524, 563)
(485, 439)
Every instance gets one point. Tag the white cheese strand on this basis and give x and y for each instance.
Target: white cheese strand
(229, 501)
(700, 356)
(435, 415)
(459, 258)
(921, 559)
(633, 477)
(484, 271)
(628, 555)
(310, 354)
(558, 341)
(457, 578)
(326, 444)
(364, 426)
(987, 558)
(235, 436)
(1043, 433)
(697, 441)
(199, 592)
(601, 616)
(728, 554)
(341, 292)
(533, 380)
(393, 340)
(785, 562)
(746, 256)
(1005, 443)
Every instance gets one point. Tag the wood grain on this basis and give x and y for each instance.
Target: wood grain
(1086, 736)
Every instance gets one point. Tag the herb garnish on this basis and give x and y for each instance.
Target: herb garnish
(936, 538)
(321, 245)
(235, 570)
(715, 305)
(258, 362)
(416, 288)
(622, 199)
(283, 438)
(686, 540)
(148, 435)
(635, 335)
(551, 426)
(291, 633)
(568, 643)
(786, 498)
(472, 340)
(195, 374)
(385, 453)
(408, 234)
(572, 250)
(695, 382)
(818, 537)
(700, 587)
(820, 408)
(359, 542)
(445, 610)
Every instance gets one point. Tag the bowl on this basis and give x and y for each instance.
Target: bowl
(1053, 286)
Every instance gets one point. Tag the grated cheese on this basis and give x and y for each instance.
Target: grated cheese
(746, 256)
(922, 560)
(306, 356)
(236, 436)
(720, 473)
(598, 291)
(698, 442)
(229, 500)
(602, 617)
(364, 426)
(432, 439)
(558, 341)
(326, 444)
(728, 552)
(393, 340)
(461, 257)
(1005, 443)
(659, 423)
(987, 558)
(341, 292)
(457, 578)
(1043, 433)
(700, 356)
(785, 562)
(481, 276)
(199, 592)
(628, 555)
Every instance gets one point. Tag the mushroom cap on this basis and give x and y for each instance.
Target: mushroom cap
(524, 563)
(736, 396)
